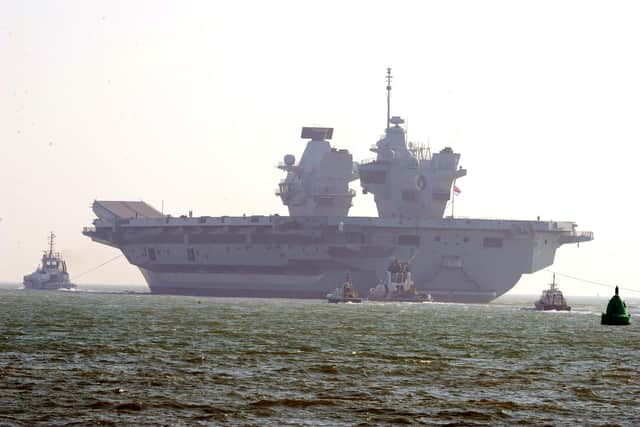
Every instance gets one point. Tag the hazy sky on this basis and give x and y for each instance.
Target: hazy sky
(194, 103)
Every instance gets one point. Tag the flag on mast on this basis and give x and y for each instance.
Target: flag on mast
(456, 190)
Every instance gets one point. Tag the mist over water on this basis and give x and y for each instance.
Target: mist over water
(122, 359)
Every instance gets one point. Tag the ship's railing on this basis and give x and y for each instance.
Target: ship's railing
(489, 218)
(448, 222)
(586, 234)
(368, 161)
(350, 193)
(184, 220)
(475, 222)
(419, 150)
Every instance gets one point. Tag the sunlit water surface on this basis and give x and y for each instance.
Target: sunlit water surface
(122, 359)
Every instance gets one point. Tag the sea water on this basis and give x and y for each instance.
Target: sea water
(130, 359)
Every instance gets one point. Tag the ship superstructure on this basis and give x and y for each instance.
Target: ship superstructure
(51, 273)
(398, 286)
(552, 299)
(304, 254)
(319, 184)
(407, 181)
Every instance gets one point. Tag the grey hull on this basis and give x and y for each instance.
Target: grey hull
(454, 260)
(311, 287)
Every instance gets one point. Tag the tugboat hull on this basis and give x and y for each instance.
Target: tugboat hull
(416, 299)
(51, 273)
(47, 286)
(552, 299)
(344, 300)
(542, 307)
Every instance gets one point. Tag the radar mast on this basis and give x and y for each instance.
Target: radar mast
(51, 237)
(389, 77)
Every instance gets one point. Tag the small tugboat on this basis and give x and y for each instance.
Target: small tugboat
(398, 286)
(552, 299)
(51, 274)
(345, 293)
(617, 313)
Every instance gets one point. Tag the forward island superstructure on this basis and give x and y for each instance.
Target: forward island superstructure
(304, 254)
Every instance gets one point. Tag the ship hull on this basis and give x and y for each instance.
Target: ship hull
(47, 282)
(248, 285)
(544, 307)
(47, 286)
(293, 286)
(453, 260)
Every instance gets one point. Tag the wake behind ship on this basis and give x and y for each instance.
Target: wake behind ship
(305, 254)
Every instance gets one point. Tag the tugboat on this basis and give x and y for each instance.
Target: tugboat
(617, 313)
(51, 274)
(552, 299)
(398, 286)
(345, 293)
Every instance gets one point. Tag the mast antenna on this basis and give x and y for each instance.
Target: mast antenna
(389, 77)
(51, 237)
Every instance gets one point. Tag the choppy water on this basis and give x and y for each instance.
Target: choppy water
(115, 359)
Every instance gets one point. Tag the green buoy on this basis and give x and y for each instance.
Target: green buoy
(617, 313)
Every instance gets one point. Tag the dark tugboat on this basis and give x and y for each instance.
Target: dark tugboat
(552, 299)
(345, 293)
(51, 273)
(617, 313)
(398, 286)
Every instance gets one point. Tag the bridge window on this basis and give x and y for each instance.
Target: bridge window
(152, 254)
(191, 256)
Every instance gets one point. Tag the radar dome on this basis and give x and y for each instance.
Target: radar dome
(289, 159)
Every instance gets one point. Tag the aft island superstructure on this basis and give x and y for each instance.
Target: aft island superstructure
(305, 254)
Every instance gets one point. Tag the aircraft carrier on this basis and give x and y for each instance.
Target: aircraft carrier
(309, 252)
